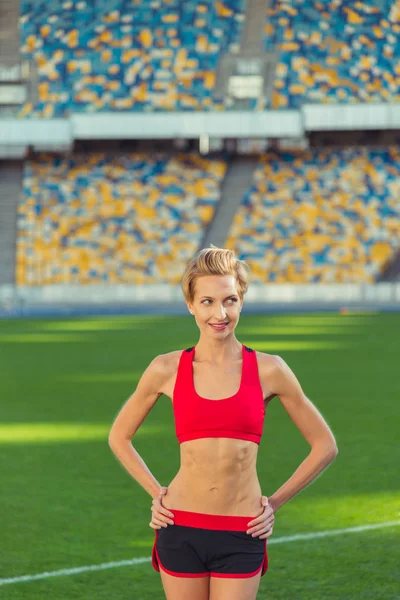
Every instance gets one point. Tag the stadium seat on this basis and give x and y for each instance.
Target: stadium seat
(127, 56)
(325, 215)
(334, 52)
(132, 218)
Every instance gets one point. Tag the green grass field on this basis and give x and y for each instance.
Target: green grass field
(67, 502)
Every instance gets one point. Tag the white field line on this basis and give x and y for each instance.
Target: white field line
(144, 559)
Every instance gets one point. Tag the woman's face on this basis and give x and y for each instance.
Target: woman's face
(216, 301)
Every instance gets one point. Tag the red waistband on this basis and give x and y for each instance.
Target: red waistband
(207, 521)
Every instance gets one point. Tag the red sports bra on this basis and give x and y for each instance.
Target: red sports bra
(240, 416)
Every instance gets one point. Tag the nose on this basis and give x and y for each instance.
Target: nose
(220, 313)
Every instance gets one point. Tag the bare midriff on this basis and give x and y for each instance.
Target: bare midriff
(217, 476)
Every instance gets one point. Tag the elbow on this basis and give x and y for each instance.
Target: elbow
(114, 435)
(334, 452)
(327, 451)
(115, 440)
(112, 440)
(331, 447)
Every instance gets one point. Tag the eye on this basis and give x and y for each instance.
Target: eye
(207, 300)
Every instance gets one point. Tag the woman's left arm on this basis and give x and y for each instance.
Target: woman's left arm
(311, 425)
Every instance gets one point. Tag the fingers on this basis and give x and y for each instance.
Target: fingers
(159, 509)
(268, 513)
(264, 528)
(261, 527)
(267, 534)
(156, 523)
(162, 517)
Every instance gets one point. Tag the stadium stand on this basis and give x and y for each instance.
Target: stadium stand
(334, 51)
(127, 219)
(324, 215)
(146, 55)
(120, 55)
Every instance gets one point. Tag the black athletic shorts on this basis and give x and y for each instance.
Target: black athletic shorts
(199, 544)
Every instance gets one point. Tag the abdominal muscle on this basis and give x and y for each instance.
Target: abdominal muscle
(217, 476)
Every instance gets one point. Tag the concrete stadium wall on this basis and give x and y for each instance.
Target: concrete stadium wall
(168, 299)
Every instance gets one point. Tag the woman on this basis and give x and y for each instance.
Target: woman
(212, 522)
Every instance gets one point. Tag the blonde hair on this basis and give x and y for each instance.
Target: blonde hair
(215, 261)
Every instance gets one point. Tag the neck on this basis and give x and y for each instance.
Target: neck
(218, 352)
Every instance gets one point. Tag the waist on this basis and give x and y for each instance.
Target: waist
(238, 494)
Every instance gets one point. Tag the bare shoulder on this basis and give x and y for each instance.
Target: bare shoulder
(156, 373)
(268, 365)
(170, 362)
(171, 359)
(269, 362)
(165, 363)
(281, 378)
(158, 364)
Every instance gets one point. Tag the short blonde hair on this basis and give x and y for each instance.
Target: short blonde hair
(215, 261)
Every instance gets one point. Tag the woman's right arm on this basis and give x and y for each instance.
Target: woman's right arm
(131, 416)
